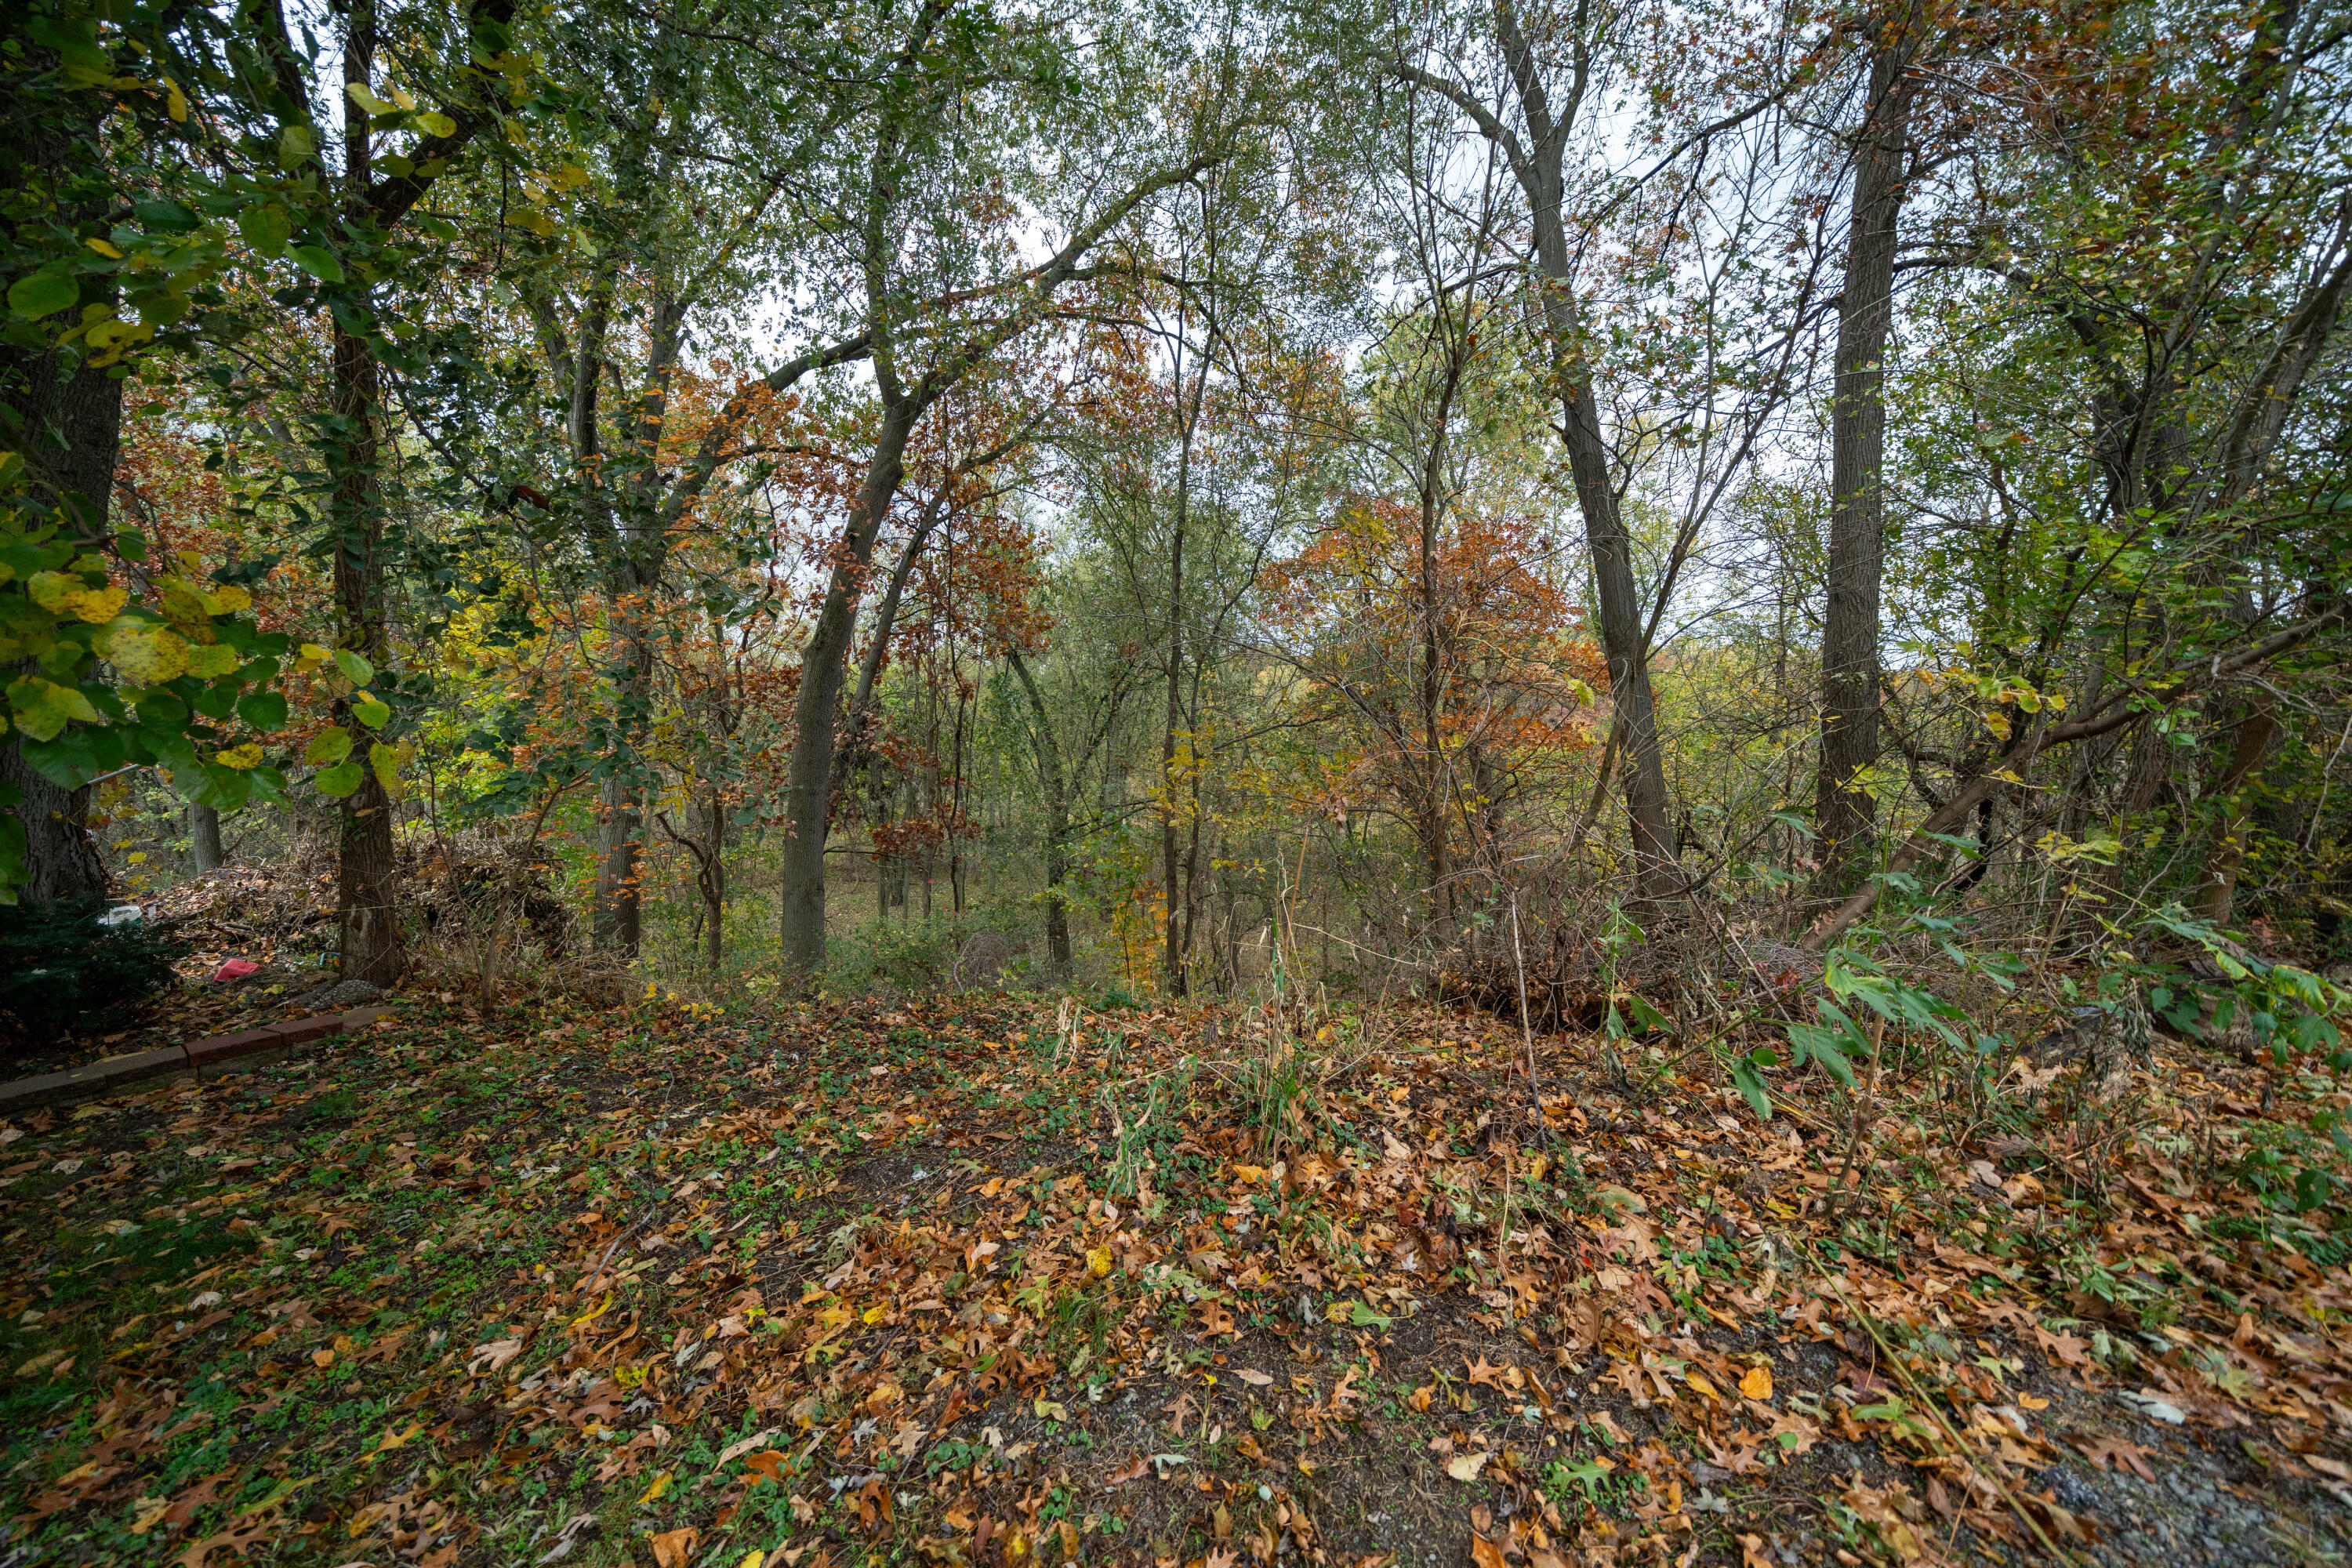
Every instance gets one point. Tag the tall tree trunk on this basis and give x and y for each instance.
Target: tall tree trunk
(618, 922)
(824, 667)
(366, 869)
(1842, 812)
(1624, 641)
(2218, 884)
(1058, 814)
(73, 424)
(204, 838)
(61, 859)
(1172, 965)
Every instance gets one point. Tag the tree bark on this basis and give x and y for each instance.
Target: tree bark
(61, 860)
(1843, 816)
(824, 668)
(2218, 884)
(366, 869)
(67, 419)
(1536, 162)
(1057, 817)
(204, 838)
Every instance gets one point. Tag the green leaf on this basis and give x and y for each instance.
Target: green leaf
(357, 671)
(318, 262)
(43, 708)
(263, 710)
(370, 712)
(437, 124)
(42, 294)
(1751, 1084)
(340, 779)
(266, 227)
(295, 143)
(1363, 1317)
(328, 747)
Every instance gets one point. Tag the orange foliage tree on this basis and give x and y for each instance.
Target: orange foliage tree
(1453, 692)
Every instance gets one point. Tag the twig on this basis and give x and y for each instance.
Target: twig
(2000, 1485)
(1527, 1030)
(613, 1246)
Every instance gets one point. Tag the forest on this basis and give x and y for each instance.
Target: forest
(1646, 667)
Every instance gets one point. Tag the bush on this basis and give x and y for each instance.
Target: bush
(63, 974)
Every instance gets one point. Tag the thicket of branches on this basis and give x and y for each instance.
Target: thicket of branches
(1470, 495)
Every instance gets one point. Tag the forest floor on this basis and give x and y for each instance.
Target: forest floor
(951, 1284)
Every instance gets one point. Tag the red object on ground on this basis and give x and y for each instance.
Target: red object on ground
(235, 969)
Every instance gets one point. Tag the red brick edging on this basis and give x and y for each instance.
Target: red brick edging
(206, 1057)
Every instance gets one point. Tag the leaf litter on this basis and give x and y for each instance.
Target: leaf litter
(974, 1283)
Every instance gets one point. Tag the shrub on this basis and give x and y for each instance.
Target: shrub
(63, 974)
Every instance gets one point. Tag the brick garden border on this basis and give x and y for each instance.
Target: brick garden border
(240, 1052)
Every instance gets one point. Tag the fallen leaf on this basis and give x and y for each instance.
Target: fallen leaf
(2116, 1454)
(1485, 1552)
(660, 1485)
(1254, 1378)
(1756, 1385)
(1465, 1467)
(675, 1548)
(737, 1449)
(490, 1357)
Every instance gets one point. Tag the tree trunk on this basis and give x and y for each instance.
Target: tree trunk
(366, 869)
(1624, 637)
(618, 923)
(204, 838)
(1058, 814)
(2216, 886)
(61, 859)
(825, 664)
(1172, 966)
(1842, 812)
(70, 430)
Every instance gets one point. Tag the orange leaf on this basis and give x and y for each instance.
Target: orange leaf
(675, 1548)
(1756, 1385)
(1485, 1552)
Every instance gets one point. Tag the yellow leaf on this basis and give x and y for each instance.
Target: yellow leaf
(1099, 1261)
(246, 756)
(145, 654)
(103, 248)
(217, 658)
(1758, 1384)
(51, 589)
(873, 1316)
(1701, 1385)
(661, 1485)
(176, 102)
(97, 605)
(229, 598)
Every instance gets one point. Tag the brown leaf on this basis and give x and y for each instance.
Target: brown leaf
(2116, 1454)
(675, 1548)
(1485, 1552)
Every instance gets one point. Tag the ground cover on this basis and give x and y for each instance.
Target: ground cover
(987, 1281)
